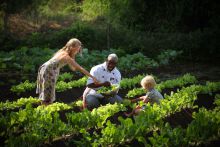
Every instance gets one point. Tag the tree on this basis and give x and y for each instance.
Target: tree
(10, 7)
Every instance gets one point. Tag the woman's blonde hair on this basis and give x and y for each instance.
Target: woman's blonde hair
(74, 42)
(148, 82)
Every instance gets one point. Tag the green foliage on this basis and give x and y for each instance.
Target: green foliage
(163, 16)
(217, 100)
(111, 133)
(129, 83)
(178, 82)
(54, 107)
(151, 120)
(22, 87)
(65, 77)
(168, 136)
(135, 92)
(132, 26)
(146, 26)
(211, 86)
(92, 58)
(97, 117)
(90, 37)
(136, 61)
(30, 123)
(54, 8)
(19, 103)
(108, 90)
(29, 119)
(91, 9)
(193, 44)
(62, 86)
(205, 126)
(25, 59)
(168, 55)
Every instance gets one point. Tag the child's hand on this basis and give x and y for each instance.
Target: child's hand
(142, 97)
(137, 99)
(145, 100)
(132, 100)
(138, 107)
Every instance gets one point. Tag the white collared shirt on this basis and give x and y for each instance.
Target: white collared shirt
(102, 74)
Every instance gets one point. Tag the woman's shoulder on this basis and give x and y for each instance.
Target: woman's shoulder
(63, 56)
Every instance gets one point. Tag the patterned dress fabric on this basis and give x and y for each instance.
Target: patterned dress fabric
(46, 80)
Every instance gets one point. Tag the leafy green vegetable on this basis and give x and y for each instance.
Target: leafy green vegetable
(108, 90)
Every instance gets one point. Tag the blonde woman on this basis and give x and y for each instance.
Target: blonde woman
(152, 96)
(49, 71)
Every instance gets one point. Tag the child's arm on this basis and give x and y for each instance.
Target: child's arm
(146, 100)
(135, 111)
(138, 99)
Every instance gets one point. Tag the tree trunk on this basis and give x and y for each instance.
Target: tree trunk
(108, 35)
(5, 21)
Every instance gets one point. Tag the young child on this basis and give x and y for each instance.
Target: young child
(152, 96)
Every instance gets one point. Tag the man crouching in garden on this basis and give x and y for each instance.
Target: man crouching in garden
(108, 75)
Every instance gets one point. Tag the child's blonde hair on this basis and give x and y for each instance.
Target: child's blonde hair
(148, 82)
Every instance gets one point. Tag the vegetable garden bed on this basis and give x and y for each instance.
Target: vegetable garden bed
(185, 104)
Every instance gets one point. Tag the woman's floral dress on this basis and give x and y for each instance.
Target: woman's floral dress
(46, 80)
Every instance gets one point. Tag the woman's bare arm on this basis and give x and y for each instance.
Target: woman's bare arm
(75, 66)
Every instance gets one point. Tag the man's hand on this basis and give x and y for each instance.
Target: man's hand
(106, 84)
(106, 95)
(84, 105)
(97, 85)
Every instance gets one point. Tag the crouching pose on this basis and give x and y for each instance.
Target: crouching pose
(107, 74)
(152, 96)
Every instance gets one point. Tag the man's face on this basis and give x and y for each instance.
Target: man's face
(111, 64)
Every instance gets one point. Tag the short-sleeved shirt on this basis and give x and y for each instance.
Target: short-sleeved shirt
(102, 74)
(154, 96)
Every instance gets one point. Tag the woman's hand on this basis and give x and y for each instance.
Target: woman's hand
(95, 80)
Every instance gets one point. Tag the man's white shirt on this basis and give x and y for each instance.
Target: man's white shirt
(102, 74)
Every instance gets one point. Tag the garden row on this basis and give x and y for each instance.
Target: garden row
(37, 126)
(126, 83)
(204, 127)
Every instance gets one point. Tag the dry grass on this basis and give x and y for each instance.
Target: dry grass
(20, 26)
